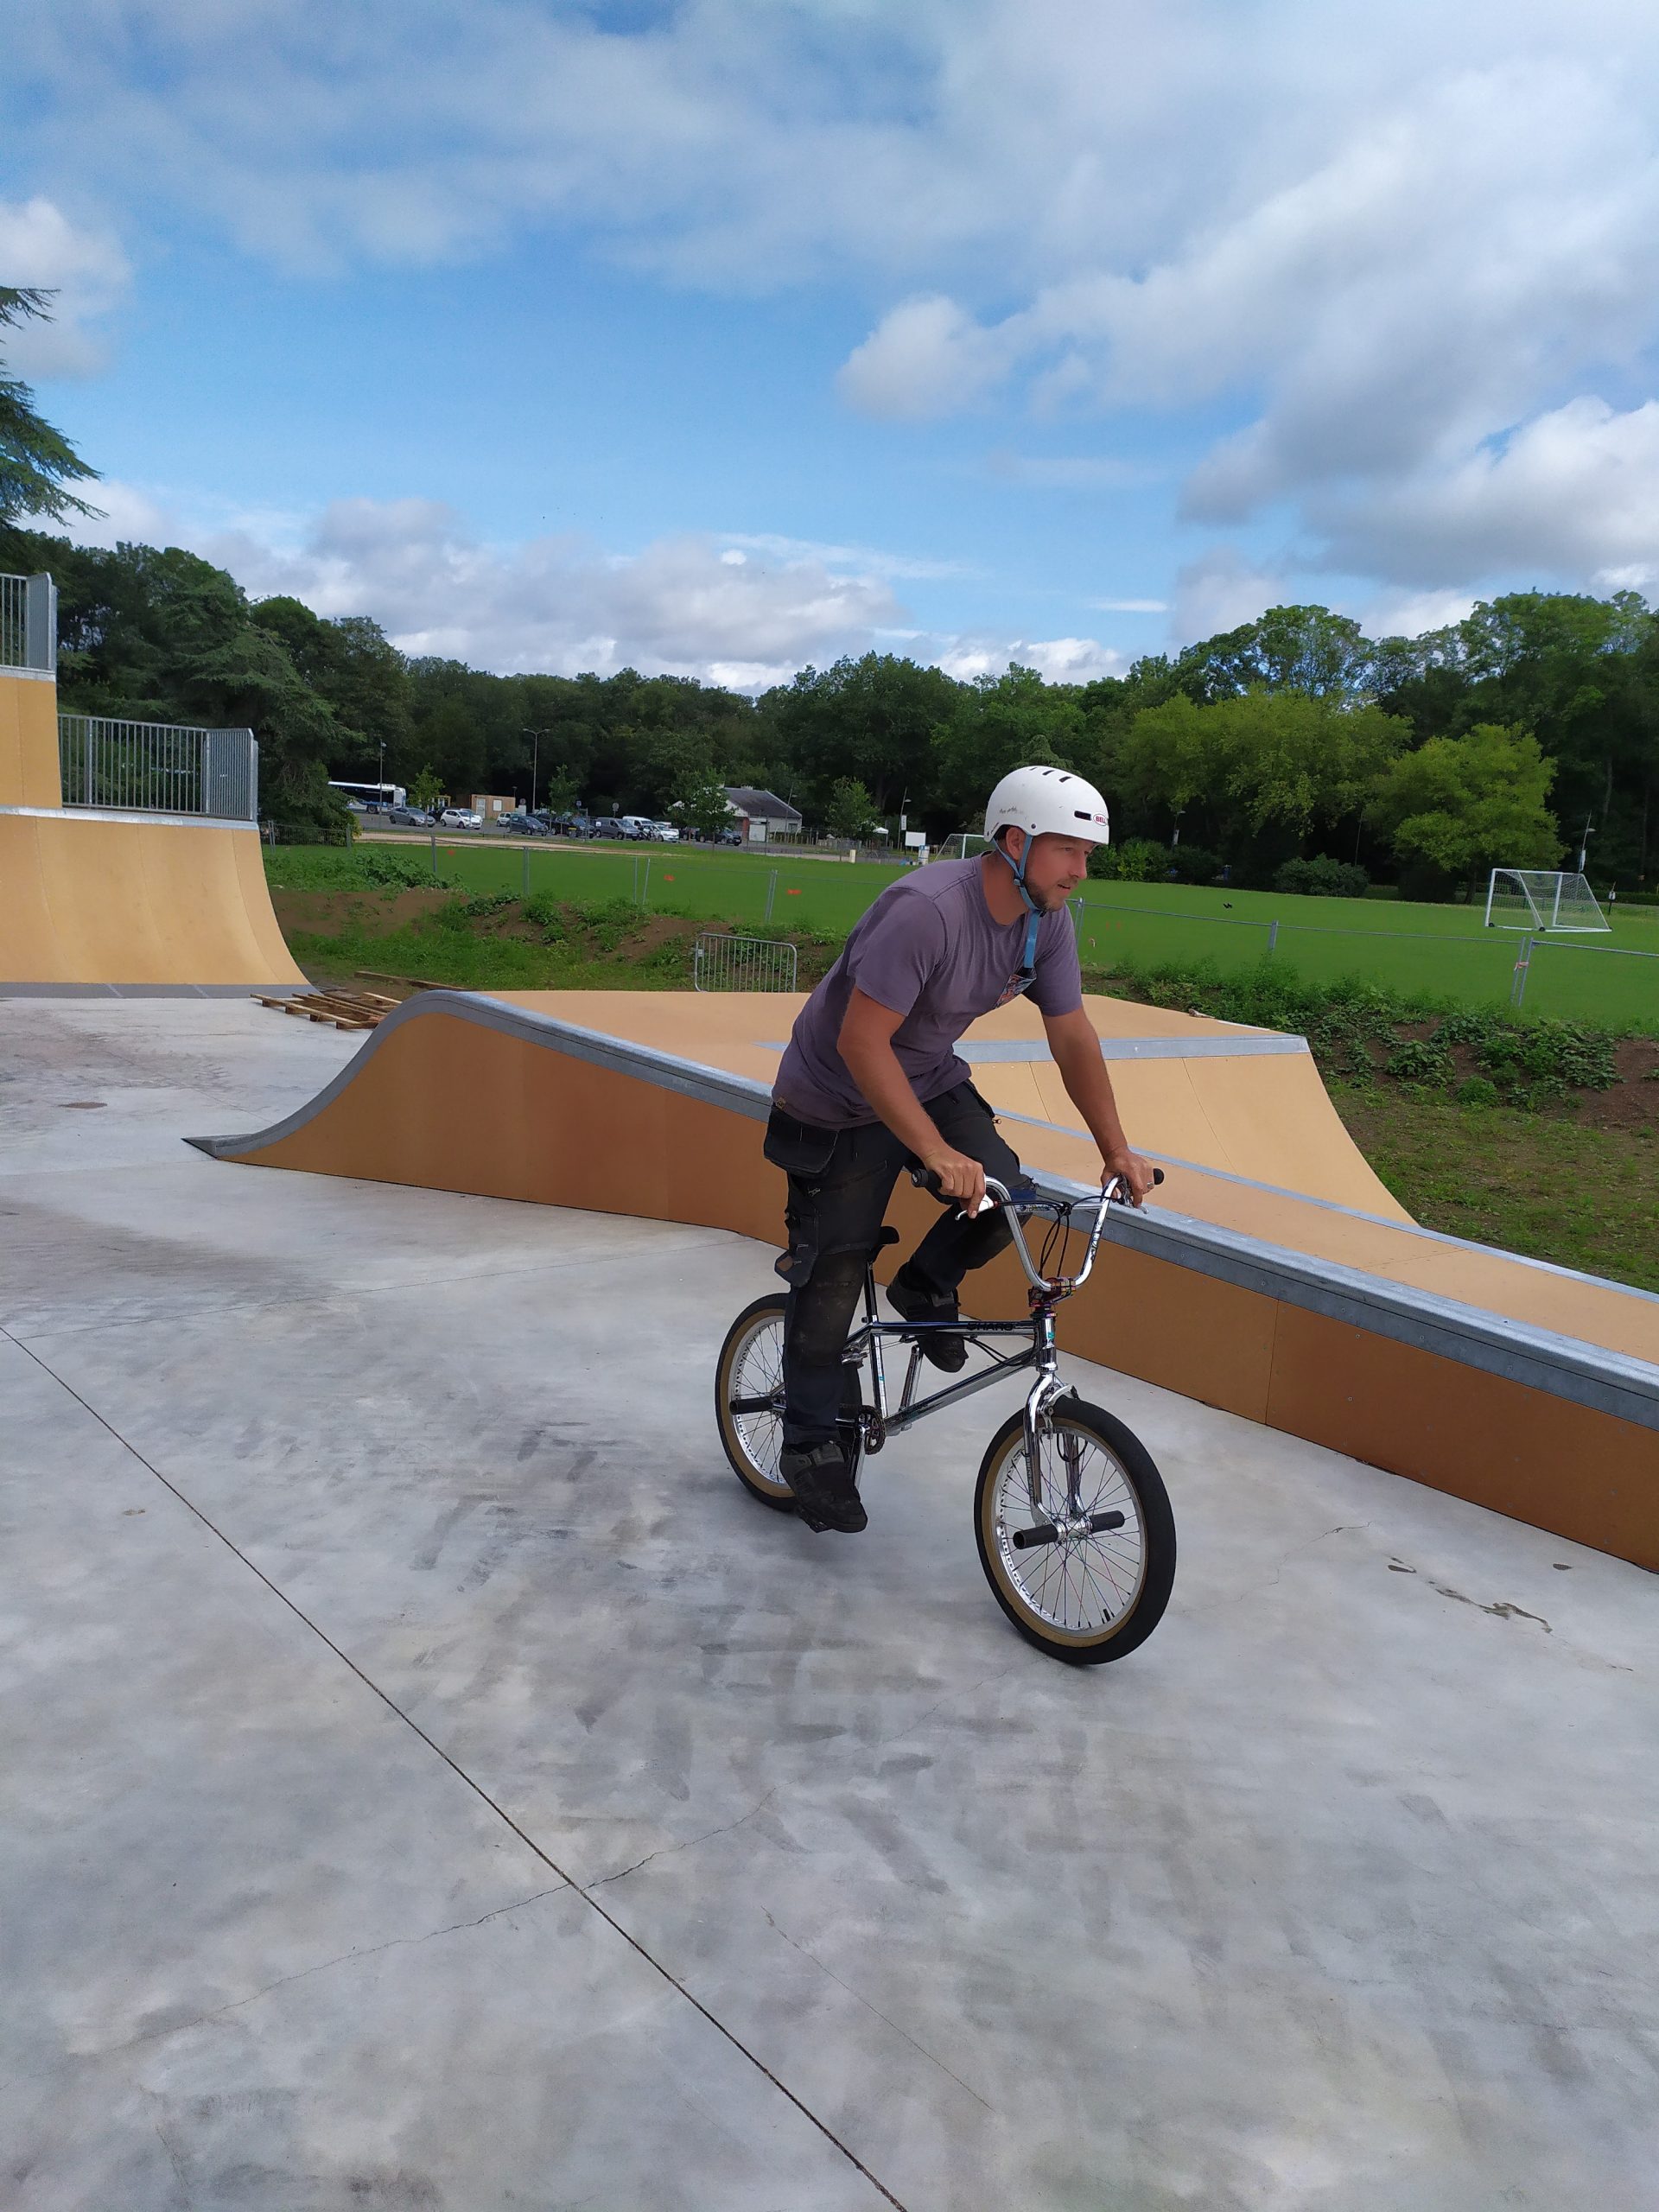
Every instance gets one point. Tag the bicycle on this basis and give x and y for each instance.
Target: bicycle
(1074, 1527)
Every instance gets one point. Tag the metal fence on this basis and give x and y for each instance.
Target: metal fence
(28, 624)
(155, 767)
(721, 962)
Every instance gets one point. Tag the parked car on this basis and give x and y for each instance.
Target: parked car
(410, 817)
(522, 824)
(460, 818)
(570, 825)
(609, 825)
(729, 837)
(667, 832)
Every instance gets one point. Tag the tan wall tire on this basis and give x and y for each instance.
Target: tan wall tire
(1097, 1597)
(751, 1363)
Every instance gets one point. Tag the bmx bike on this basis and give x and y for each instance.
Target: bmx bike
(1072, 1517)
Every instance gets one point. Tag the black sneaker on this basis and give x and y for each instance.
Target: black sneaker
(912, 1303)
(826, 1496)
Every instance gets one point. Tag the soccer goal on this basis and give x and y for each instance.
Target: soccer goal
(963, 846)
(1541, 899)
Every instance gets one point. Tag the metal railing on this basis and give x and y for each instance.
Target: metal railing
(159, 768)
(720, 962)
(28, 624)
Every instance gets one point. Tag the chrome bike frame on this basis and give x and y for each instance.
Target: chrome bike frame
(882, 1418)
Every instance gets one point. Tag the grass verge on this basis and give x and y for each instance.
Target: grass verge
(1528, 1182)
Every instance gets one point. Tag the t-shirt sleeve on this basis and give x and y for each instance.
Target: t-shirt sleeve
(900, 952)
(1057, 987)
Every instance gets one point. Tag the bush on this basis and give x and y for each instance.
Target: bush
(1322, 878)
(1421, 1059)
(1137, 859)
(1480, 1090)
(1192, 864)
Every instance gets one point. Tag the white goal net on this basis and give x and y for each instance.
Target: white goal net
(963, 846)
(1541, 899)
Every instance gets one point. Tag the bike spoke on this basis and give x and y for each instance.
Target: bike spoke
(1078, 1585)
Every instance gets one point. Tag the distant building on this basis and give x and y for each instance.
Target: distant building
(761, 815)
(491, 805)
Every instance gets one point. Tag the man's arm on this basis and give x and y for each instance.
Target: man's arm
(865, 1045)
(1075, 1048)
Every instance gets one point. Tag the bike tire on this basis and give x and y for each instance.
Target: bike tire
(753, 1440)
(1062, 1601)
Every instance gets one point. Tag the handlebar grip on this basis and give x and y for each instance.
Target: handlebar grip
(1157, 1174)
(926, 1178)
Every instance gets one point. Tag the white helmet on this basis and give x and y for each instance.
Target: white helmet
(1048, 802)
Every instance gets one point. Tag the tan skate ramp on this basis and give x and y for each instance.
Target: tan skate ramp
(1523, 1387)
(119, 902)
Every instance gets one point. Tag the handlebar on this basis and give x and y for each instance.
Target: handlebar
(1113, 1192)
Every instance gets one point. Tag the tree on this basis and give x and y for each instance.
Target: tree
(426, 791)
(1465, 805)
(851, 810)
(873, 719)
(36, 461)
(1305, 649)
(1254, 776)
(701, 804)
(999, 722)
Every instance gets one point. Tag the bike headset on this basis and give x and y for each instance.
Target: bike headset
(1033, 911)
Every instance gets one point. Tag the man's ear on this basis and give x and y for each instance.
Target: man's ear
(1014, 843)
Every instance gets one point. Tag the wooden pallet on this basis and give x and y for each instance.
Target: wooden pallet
(337, 1009)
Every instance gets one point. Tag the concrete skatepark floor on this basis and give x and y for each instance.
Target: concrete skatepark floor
(426, 1780)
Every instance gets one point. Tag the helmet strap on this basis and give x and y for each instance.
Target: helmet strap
(1033, 911)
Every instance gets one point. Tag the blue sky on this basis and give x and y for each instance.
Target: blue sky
(726, 336)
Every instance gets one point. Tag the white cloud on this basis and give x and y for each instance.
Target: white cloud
(687, 606)
(1221, 590)
(1386, 258)
(1131, 605)
(40, 246)
(1574, 492)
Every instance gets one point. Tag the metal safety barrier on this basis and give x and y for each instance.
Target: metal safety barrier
(156, 767)
(28, 624)
(721, 962)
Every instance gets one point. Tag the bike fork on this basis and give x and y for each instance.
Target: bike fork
(1040, 1403)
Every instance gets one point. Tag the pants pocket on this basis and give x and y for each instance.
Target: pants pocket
(800, 1148)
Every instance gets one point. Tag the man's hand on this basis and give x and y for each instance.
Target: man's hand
(960, 1177)
(1135, 1173)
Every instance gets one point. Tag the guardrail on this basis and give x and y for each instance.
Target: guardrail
(158, 767)
(28, 624)
(722, 962)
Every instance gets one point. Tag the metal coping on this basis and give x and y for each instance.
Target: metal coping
(140, 814)
(1565, 1367)
(1030, 1051)
(150, 990)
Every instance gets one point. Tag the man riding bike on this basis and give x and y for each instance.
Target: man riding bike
(871, 1083)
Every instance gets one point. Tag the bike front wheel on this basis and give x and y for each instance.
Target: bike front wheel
(1079, 1551)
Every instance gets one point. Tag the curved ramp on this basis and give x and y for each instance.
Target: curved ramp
(112, 902)
(1523, 1387)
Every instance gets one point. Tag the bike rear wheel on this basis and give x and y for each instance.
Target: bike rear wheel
(1089, 1585)
(749, 1401)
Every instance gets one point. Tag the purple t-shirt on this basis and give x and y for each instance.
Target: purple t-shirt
(929, 949)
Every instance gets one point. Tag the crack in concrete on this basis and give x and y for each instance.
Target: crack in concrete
(1501, 1608)
(672, 1850)
(876, 2009)
(1341, 1529)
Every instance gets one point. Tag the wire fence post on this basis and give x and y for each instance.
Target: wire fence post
(1273, 935)
(524, 855)
(434, 856)
(772, 892)
(1518, 981)
(644, 888)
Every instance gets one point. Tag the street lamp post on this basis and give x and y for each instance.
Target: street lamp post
(536, 737)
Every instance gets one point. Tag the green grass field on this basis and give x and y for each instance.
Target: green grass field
(1441, 954)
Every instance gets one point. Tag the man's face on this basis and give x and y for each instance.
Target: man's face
(1056, 868)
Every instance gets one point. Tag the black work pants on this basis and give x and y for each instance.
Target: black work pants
(840, 1181)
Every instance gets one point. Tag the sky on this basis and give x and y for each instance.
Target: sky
(726, 336)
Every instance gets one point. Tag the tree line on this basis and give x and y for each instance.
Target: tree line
(1293, 739)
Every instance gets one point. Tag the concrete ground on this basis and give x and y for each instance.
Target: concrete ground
(427, 1780)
